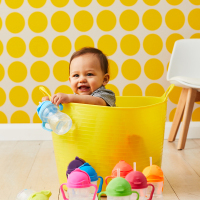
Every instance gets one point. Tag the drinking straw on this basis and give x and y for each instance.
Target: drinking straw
(134, 166)
(150, 160)
(118, 172)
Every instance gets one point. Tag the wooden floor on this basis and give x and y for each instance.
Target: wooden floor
(31, 164)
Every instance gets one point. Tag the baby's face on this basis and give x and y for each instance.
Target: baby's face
(86, 74)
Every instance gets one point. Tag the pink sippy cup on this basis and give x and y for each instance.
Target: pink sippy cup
(139, 184)
(124, 167)
(78, 185)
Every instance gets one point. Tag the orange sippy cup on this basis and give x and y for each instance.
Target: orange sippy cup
(124, 167)
(154, 175)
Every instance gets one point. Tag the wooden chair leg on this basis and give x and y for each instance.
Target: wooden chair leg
(186, 117)
(178, 115)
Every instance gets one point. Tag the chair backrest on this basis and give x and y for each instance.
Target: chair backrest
(185, 59)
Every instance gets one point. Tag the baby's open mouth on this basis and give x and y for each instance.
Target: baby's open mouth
(83, 88)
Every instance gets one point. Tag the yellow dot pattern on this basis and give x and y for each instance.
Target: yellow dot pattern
(3, 118)
(130, 45)
(171, 40)
(16, 47)
(132, 22)
(60, 21)
(131, 69)
(152, 19)
(61, 46)
(154, 69)
(38, 38)
(17, 71)
(154, 89)
(37, 22)
(3, 96)
(82, 3)
(113, 69)
(18, 96)
(1, 47)
(37, 3)
(107, 44)
(151, 2)
(40, 71)
(20, 117)
(83, 21)
(61, 71)
(0, 23)
(175, 19)
(105, 3)
(83, 41)
(174, 2)
(128, 2)
(106, 20)
(15, 22)
(193, 19)
(14, 4)
(38, 46)
(2, 72)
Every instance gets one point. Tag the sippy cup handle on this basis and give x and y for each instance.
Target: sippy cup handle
(44, 127)
(138, 196)
(107, 177)
(95, 193)
(100, 185)
(152, 191)
(44, 91)
(99, 196)
(62, 191)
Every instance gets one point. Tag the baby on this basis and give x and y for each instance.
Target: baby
(88, 77)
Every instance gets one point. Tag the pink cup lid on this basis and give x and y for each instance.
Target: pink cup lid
(137, 180)
(78, 179)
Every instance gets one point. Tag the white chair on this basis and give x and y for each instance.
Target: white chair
(184, 71)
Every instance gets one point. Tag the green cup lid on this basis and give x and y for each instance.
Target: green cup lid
(118, 187)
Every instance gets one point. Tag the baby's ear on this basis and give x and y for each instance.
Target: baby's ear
(106, 79)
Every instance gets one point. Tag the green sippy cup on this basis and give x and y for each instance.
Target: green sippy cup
(118, 189)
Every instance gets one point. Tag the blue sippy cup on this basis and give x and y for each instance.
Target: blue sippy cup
(93, 175)
(59, 122)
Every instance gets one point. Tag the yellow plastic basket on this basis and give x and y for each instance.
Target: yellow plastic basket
(102, 136)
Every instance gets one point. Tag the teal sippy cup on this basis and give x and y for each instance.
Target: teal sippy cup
(118, 189)
(49, 113)
(86, 167)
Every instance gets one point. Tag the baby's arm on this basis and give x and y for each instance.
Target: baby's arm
(74, 98)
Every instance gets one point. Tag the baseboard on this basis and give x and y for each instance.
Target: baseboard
(35, 131)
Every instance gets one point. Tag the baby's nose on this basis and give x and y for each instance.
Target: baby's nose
(82, 79)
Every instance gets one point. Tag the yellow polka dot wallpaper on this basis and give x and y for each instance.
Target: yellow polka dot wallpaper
(38, 37)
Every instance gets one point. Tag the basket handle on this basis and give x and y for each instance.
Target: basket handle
(169, 89)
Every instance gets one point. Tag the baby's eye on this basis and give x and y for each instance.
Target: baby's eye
(89, 74)
(75, 75)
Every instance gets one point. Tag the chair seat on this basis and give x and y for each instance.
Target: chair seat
(185, 82)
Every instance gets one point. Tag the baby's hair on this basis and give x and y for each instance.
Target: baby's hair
(102, 57)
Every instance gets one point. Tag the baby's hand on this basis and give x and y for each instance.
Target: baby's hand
(59, 98)
(45, 98)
